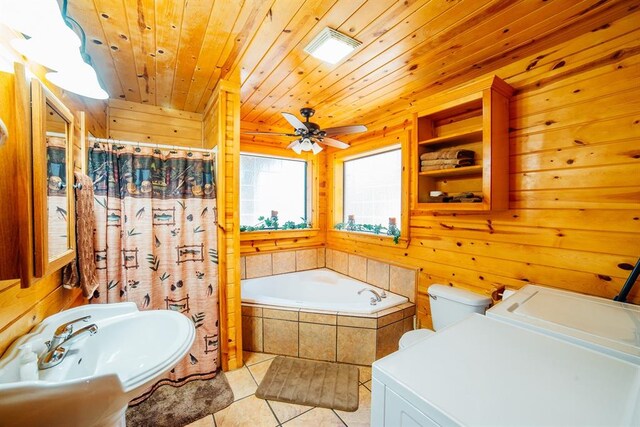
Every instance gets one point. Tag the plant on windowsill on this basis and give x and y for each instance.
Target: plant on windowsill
(390, 230)
(271, 223)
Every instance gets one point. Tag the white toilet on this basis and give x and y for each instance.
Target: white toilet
(448, 305)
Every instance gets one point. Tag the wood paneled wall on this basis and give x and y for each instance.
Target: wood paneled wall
(222, 130)
(22, 308)
(133, 121)
(574, 176)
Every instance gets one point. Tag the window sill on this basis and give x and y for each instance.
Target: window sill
(379, 239)
(277, 234)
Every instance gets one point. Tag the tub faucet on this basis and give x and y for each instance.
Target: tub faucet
(377, 298)
(58, 347)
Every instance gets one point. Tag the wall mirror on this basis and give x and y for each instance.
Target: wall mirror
(53, 201)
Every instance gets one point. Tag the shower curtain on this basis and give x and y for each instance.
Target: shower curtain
(155, 241)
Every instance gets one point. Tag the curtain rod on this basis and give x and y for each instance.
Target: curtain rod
(149, 145)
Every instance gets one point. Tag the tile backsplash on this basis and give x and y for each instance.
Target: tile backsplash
(399, 280)
(260, 265)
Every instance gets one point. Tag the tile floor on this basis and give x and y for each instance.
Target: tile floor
(248, 410)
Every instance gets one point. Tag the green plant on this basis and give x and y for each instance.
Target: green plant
(271, 223)
(370, 228)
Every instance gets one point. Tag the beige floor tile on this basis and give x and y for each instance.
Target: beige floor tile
(203, 422)
(361, 417)
(259, 370)
(367, 384)
(318, 417)
(365, 373)
(251, 358)
(286, 411)
(250, 411)
(241, 382)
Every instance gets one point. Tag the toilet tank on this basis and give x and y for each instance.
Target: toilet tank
(450, 305)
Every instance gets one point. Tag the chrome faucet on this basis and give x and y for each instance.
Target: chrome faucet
(62, 338)
(374, 300)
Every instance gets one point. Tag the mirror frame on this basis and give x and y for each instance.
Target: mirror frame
(40, 97)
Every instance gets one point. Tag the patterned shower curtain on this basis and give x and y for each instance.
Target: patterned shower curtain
(155, 242)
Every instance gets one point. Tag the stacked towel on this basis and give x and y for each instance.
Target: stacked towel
(446, 158)
(468, 197)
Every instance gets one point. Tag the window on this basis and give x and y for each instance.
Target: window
(373, 188)
(272, 184)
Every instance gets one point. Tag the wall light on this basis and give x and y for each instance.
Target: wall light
(30, 17)
(54, 52)
(79, 78)
(331, 46)
(52, 42)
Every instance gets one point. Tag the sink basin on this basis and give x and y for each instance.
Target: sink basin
(101, 373)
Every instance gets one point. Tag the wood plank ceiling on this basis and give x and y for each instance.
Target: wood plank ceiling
(172, 53)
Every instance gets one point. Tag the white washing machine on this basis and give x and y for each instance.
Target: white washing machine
(597, 323)
(486, 372)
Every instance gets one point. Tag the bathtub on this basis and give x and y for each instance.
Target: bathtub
(320, 289)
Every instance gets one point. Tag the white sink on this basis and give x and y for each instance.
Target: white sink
(101, 373)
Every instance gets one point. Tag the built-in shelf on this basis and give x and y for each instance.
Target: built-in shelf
(476, 122)
(457, 138)
(466, 170)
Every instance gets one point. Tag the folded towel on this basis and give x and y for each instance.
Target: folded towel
(440, 167)
(448, 153)
(85, 263)
(459, 198)
(461, 162)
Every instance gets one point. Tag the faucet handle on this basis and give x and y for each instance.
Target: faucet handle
(383, 294)
(67, 328)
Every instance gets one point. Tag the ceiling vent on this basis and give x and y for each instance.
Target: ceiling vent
(331, 46)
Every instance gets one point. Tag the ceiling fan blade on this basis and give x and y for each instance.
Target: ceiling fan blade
(294, 121)
(345, 130)
(269, 133)
(293, 143)
(334, 143)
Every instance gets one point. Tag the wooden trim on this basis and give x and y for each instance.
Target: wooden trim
(378, 239)
(278, 234)
(313, 183)
(233, 93)
(336, 173)
(24, 159)
(41, 96)
(224, 112)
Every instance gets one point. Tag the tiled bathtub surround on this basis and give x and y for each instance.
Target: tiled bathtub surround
(341, 337)
(398, 280)
(261, 265)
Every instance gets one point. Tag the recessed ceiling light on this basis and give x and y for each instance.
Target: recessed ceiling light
(331, 46)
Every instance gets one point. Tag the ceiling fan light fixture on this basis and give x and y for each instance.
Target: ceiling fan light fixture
(316, 148)
(297, 148)
(331, 46)
(305, 145)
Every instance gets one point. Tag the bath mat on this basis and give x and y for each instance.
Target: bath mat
(311, 383)
(170, 406)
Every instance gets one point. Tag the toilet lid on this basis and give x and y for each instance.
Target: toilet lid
(412, 337)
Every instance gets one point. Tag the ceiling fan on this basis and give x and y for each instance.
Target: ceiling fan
(310, 135)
